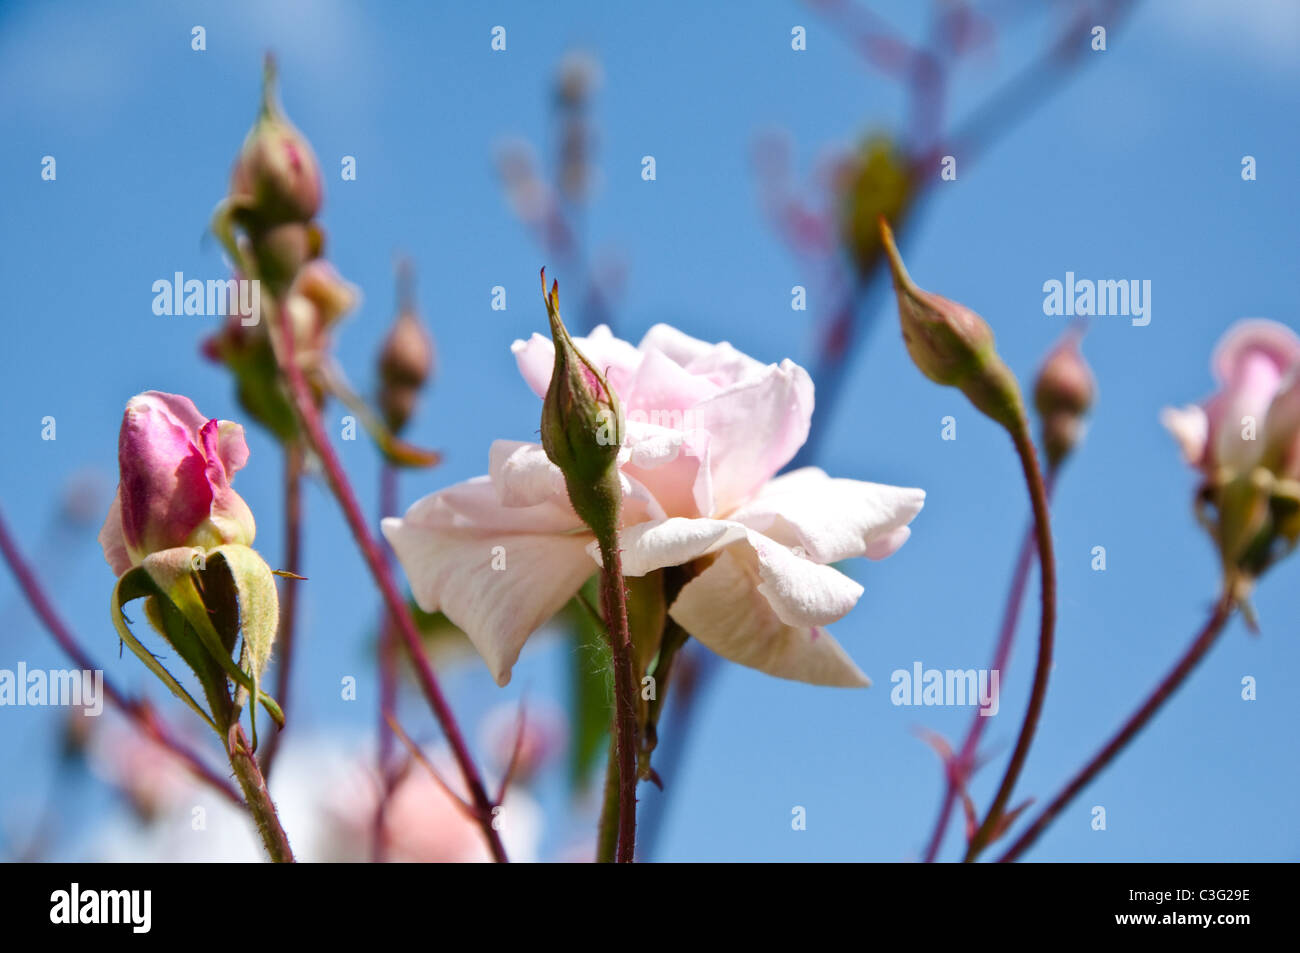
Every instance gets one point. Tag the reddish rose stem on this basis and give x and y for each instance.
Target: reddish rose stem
(137, 711)
(1046, 639)
(293, 463)
(258, 797)
(1199, 648)
(962, 766)
(387, 679)
(309, 415)
(613, 597)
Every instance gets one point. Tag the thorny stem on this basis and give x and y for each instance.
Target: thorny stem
(340, 486)
(1199, 648)
(613, 598)
(137, 711)
(293, 467)
(1042, 671)
(258, 798)
(960, 768)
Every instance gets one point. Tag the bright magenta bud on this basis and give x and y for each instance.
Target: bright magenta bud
(175, 471)
(276, 178)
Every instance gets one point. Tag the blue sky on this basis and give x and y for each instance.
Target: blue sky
(1131, 171)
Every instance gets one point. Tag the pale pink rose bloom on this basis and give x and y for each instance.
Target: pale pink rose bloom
(707, 430)
(175, 470)
(1252, 364)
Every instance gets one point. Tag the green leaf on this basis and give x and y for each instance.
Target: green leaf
(223, 596)
(136, 584)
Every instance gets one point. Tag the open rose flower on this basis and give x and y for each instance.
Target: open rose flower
(176, 466)
(706, 430)
(1252, 364)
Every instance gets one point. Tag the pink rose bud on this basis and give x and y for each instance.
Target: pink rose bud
(406, 358)
(581, 426)
(1063, 394)
(276, 177)
(174, 490)
(953, 345)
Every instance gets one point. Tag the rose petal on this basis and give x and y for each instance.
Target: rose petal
(672, 542)
(1190, 427)
(451, 545)
(615, 358)
(801, 592)
(755, 428)
(663, 391)
(832, 519)
(677, 346)
(673, 465)
(111, 539)
(522, 474)
(164, 488)
(723, 609)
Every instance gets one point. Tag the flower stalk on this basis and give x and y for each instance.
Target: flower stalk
(954, 346)
(137, 711)
(579, 405)
(258, 798)
(314, 431)
(1198, 649)
(1046, 642)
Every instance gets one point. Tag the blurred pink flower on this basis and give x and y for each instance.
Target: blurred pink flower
(150, 776)
(174, 489)
(707, 429)
(1253, 362)
(530, 737)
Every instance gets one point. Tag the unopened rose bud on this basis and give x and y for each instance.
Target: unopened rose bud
(1063, 394)
(281, 252)
(405, 360)
(276, 178)
(953, 345)
(176, 467)
(577, 416)
(577, 78)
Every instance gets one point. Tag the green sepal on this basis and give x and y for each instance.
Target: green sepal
(224, 596)
(136, 583)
